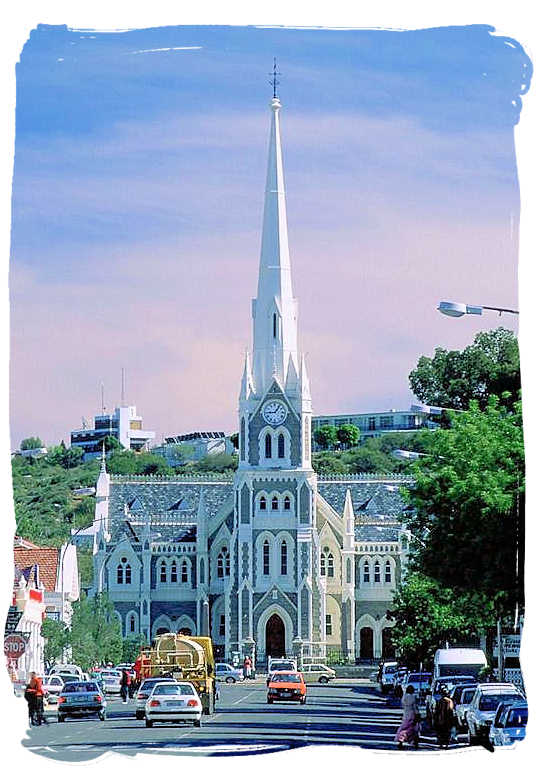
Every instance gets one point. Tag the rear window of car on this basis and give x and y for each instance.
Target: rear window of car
(69, 678)
(147, 685)
(517, 718)
(467, 696)
(489, 703)
(390, 670)
(183, 689)
(286, 678)
(80, 688)
(282, 665)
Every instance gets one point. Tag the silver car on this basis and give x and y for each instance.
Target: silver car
(228, 673)
(173, 703)
(509, 724)
(487, 698)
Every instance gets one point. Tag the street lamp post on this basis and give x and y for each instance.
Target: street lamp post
(456, 310)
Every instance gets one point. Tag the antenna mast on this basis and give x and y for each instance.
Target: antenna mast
(102, 399)
(274, 82)
(123, 387)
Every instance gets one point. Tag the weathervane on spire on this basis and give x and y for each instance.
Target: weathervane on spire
(274, 82)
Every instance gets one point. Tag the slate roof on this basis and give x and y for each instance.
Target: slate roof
(378, 497)
(374, 533)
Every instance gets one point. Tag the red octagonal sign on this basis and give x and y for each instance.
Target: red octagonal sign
(14, 646)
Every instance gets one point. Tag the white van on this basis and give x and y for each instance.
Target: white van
(67, 669)
(458, 661)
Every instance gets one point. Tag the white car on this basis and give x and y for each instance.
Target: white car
(173, 703)
(53, 685)
(228, 673)
(483, 707)
(317, 673)
(111, 680)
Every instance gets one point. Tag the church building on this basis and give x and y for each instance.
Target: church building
(273, 560)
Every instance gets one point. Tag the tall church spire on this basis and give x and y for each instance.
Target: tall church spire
(275, 309)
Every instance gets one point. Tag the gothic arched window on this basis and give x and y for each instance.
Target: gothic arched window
(262, 503)
(287, 503)
(267, 445)
(132, 623)
(266, 558)
(280, 446)
(223, 563)
(284, 558)
(184, 573)
(366, 573)
(348, 570)
(376, 572)
(322, 564)
(163, 572)
(328, 563)
(388, 572)
(128, 573)
(120, 574)
(174, 573)
(275, 503)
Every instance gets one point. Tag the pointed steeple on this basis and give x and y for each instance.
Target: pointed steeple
(274, 310)
(247, 386)
(349, 521)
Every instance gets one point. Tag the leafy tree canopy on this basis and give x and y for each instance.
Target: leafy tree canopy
(491, 365)
(31, 443)
(326, 437)
(348, 435)
(131, 647)
(95, 635)
(56, 635)
(467, 504)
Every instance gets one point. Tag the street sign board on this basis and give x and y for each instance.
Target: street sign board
(14, 646)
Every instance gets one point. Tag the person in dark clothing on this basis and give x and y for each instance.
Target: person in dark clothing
(443, 719)
(124, 686)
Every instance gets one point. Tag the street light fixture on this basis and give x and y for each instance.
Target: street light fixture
(456, 310)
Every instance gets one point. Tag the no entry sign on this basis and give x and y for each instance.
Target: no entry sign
(14, 646)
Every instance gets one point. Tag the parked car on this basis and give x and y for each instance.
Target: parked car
(317, 673)
(67, 669)
(459, 661)
(111, 680)
(462, 696)
(435, 692)
(386, 675)
(145, 688)
(509, 724)
(173, 702)
(398, 680)
(482, 709)
(420, 682)
(81, 698)
(287, 686)
(228, 673)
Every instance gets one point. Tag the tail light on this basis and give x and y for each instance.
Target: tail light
(155, 703)
(61, 699)
(192, 703)
(98, 699)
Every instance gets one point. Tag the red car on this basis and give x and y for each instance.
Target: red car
(287, 686)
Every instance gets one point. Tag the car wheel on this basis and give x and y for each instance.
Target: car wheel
(196, 723)
(149, 723)
(303, 701)
(102, 716)
(230, 680)
(139, 715)
(270, 701)
(61, 718)
(472, 738)
(323, 680)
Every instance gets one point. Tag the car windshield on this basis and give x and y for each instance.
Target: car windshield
(489, 703)
(419, 679)
(172, 689)
(517, 718)
(390, 670)
(80, 688)
(69, 678)
(282, 665)
(286, 679)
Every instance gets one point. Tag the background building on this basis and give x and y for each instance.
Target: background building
(194, 446)
(378, 423)
(124, 424)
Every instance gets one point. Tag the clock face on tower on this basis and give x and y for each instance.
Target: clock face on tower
(274, 412)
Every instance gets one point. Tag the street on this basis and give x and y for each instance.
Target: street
(346, 712)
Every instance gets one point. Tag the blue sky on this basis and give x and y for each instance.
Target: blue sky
(137, 206)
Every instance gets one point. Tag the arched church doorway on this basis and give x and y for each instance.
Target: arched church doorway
(275, 636)
(162, 630)
(366, 643)
(184, 630)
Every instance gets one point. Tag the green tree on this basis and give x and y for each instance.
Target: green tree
(348, 435)
(95, 632)
(219, 462)
(428, 615)
(112, 443)
(468, 505)
(328, 463)
(326, 437)
(235, 439)
(131, 647)
(31, 443)
(56, 635)
(491, 365)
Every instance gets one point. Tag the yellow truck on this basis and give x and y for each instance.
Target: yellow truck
(185, 658)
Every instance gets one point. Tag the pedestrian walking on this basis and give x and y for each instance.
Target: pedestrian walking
(34, 694)
(408, 730)
(124, 686)
(247, 668)
(444, 719)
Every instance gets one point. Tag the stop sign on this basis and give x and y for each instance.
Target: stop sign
(14, 646)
